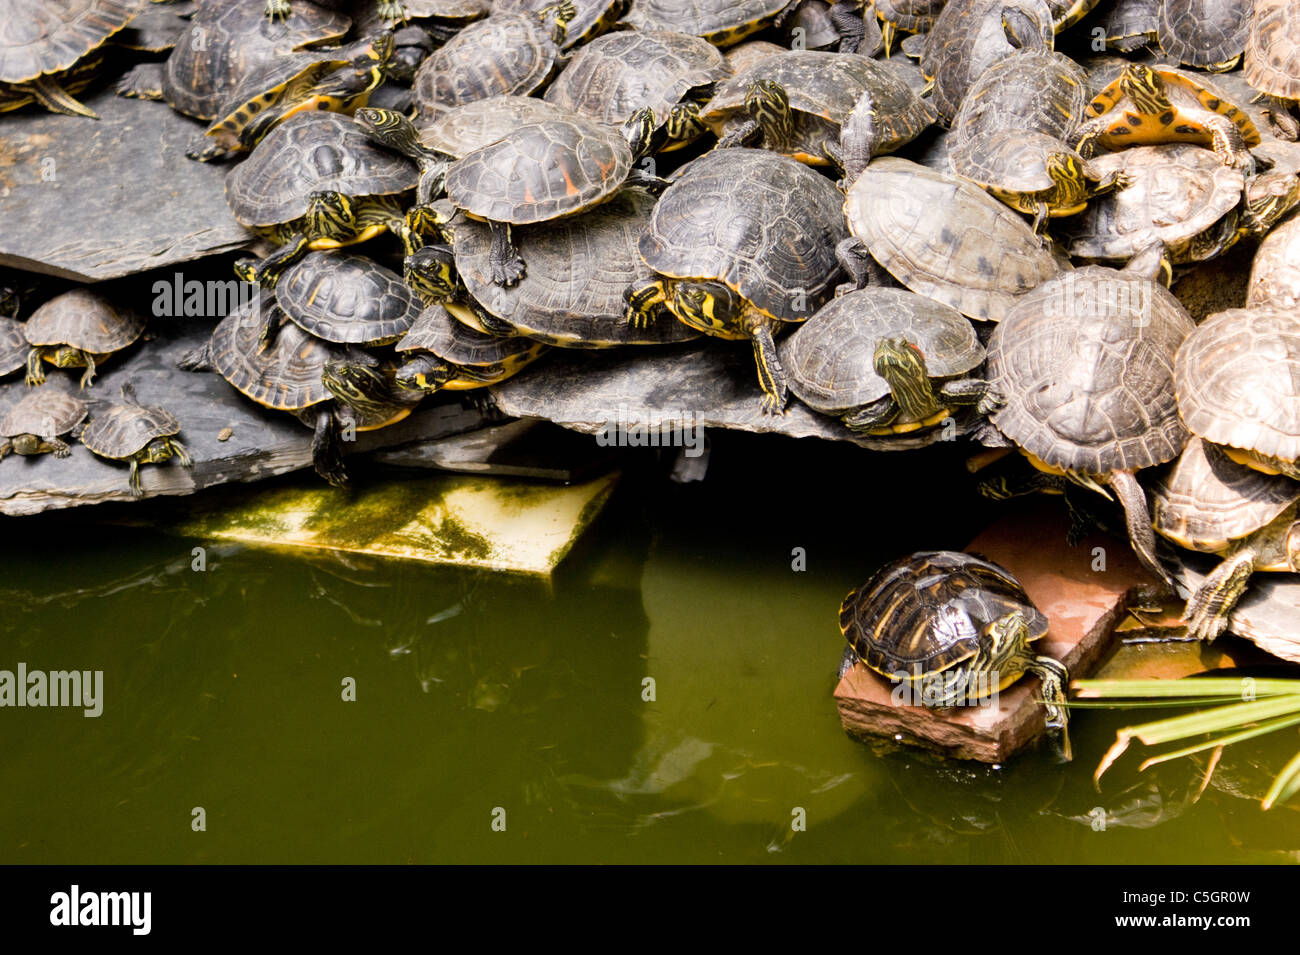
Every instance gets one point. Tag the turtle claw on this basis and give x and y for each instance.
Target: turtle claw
(773, 404)
(508, 272)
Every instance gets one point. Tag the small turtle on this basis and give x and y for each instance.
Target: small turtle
(590, 17)
(346, 299)
(36, 424)
(444, 354)
(77, 329)
(886, 361)
(1147, 105)
(133, 432)
(1209, 34)
(1275, 273)
(1272, 60)
(956, 628)
(1211, 504)
(721, 22)
(13, 346)
(1236, 383)
(942, 237)
(1127, 25)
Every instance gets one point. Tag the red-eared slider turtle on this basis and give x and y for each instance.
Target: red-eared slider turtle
(1148, 105)
(1211, 504)
(906, 16)
(36, 424)
(316, 182)
(544, 171)
(744, 241)
(44, 45)
(590, 18)
(612, 77)
(1127, 25)
(512, 53)
(1180, 195)
(1272, 62)
(137, 433)
(346, 299)
(1210, 34)
(799, 100)
(1086, 365)
(887, 361)
(721, 22)
(942, 237)
(13, 346)
(77, 329)
(463, 129)
(956, 628)
(1236, 380)
(444, 354)
(1275, 273)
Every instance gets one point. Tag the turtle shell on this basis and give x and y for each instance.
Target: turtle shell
(40, 37)
(764, 225)
(613, 76)
(512, 53)
(13, 346)
(911, 16)
(1238, 381)
(946, 238)
(1010, 161)
(721, 22)
(744, 55)
(829, 358)
(122, 430)
(1275, 274)
(1086, 363)
(1127, 25)
(84, 320)
(925, 613)
(579, 268)
(464, 129)
(448, 9)
(259, 88)
(438, 332)
(347, 299)
(1178, 191)
(1034, 91)
(1208, 500)
(47, 411)
(1205, 33)
(1272, 63)
(284, 375)
(541, 171)
(592, 17)
(306, 153)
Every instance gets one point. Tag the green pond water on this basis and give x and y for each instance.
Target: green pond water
(479, 693)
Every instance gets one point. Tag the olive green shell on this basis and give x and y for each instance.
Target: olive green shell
(84, 320)
(306, 153)
(464, 129)
(1204, 33)
(764, 225)
(541, 171)
(40, 37)
(613, 76)
(284, 375)
(1086, 364)
(436, 331)
(925, 613)
(829, 359)
(121, 430)
(593, 16)
(512, 53)
(1275, 274)
(1237, 381)
(228, 40)
(721, 22)
(47, 411)
(347, 299)
(13, 346)
(1127, 25)
(1272, 62)
(911, 16)
(823, 89)
(1207, 499)
(946, 238)
(578, 270)
(1033, 91)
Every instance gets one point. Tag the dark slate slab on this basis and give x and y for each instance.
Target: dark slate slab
(262, 443)
(524, 448)
(1269, 613)
(698, 385)
(123, 198)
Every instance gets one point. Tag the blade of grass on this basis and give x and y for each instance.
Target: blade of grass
(1228, 687)
(1260, 730)
(1285, 786)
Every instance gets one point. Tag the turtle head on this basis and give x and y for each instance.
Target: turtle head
(902, 365)
(27, 444)
(1007, 636)
(431, 272)
(709, 307)
(684, 122)
(423, 375)
(562, 12)
(1268, 198)
(389, 128)
(640, 131)
(1143, 85)
(357, 384)
(1022, 31)
(330, 215)
(1066, 172)
(9, 301)
(769, 105)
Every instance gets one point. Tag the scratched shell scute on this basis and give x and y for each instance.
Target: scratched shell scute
(1204, 32)
(1086, 365)
(502, 54)
(1238, 380)
(82, 319)
(703, 17)
(1272, 60)
(347, 298)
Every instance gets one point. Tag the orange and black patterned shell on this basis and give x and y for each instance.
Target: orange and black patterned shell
(512, 53)
(84, 320)
(284, 375)
(38, 37)
(926, 612)
(121, 430)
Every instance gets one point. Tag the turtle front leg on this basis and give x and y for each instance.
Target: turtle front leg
(54, 446)
(1208, 609)
(1085, 139)
(179, 452)
(644, 298)
(35, 367)
(278, 9)
(748, 133)
(89, 374)
(391, 11)
(327, 452)
(972, 391)
(267, 272)
(1112, 182)
(849, 24)
(133, 482)
(506, 264)
(875, 415)
(771, 376)
(1137, 517)
(1229, 145)
(858, 265)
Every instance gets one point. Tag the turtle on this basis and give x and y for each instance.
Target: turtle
(1208, 34)
(137, 433)
(1127, 25)
(316, 182)
(827, 25)
(1147, 105)
(721, 22)
(590, 18)
(1236, 385)
(613, 76)
(886, 361)
(744, 55)
(906, 16)
(543, 171)
(394, 11)
(1211, 504)
(444, 354)
(743, 242)
(13, 346)
(1181, 195)
(78, 329)
(511, 53)
(47, 49)
(1085, 363)
(942, 237)
(411, 47)
(36, 424)
(1272, 59)
(1275, 273)
(346, 299)
(799, 100)
(955, 628)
